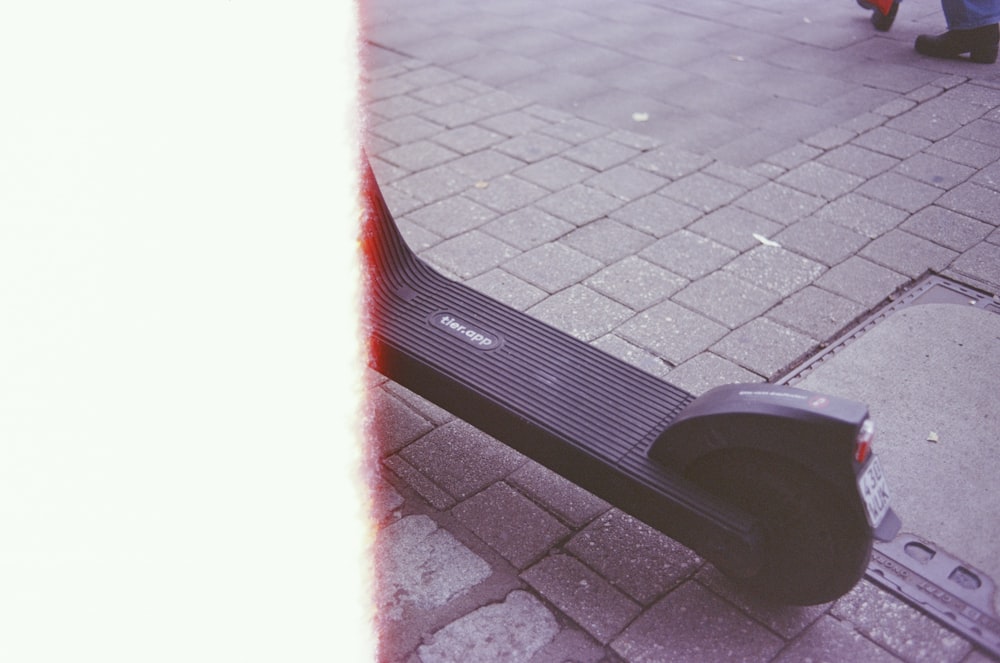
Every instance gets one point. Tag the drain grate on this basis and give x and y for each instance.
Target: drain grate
(916, 570)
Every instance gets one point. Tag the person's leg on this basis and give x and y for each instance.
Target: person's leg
(972, 28)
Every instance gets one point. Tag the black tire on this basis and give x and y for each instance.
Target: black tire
(816, 544)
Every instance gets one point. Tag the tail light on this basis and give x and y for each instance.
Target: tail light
(863, 444)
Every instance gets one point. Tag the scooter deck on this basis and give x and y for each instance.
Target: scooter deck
(581, 412)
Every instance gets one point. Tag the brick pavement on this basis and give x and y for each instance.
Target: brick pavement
(708, 190)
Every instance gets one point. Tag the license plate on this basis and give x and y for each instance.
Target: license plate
(875, 491)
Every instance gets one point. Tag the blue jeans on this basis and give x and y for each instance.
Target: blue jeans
(969, 14)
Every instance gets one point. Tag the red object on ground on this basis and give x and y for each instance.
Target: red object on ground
(882, 5)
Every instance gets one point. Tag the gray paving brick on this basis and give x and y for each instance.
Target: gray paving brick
(385, 172)
(934, 170)
(507, 288)
(751, 148)
(925, 92)
(630, 354)
(416, 237)
(975, 201)
(865, 216)
(485, 165)
(555, 87)
(672, 331)
(656, 215)
(636, 558)
(767, 170)
(816, 312)
(819, 180)
(572, 504)
(496, 68)
(514, 631)
(532, 147)
(830, 138)
(547, 113)
(555, 173)
(461, 459)
(740, 176)
(428, 75)
(692, 624)
(468, 139)
(834, 640)
(581, 312)
(423, 486)
(636, 283)
(495, 101)
(390, 425)
(627, 182)
(863, 122)
(726, 298)
(858, 160)
(702, 191)
(572, 644)
(900, 191)
(891, 142)
(706, 370)
(506, 193)
(442, 93)
(455, 114)
(511, 524)
(795, 156)
(385, 87)
(989, 177)
(584, 596)
(735, 227)
(926, 121)
(434, 184)
(983, 131)
(775, 269)
(764, 347)
(575, 130)
(981, 262)
(552, 267)
(398, 106)
(385, 502)
(579, 204)
(671, 162)
(908, 254)
(896, 626)
(528, 228)
(513, 123)
(452, 216)
(964, 151)
(607, 240)
(428, 410)
(823, 241)
(688, 254)
(469, 254)
(406, 129)
(601, 153)
(633, 139)
(951, 229)
(861, 281)
(779, 203)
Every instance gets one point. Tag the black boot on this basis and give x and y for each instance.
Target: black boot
(883, 23)
(979, 43)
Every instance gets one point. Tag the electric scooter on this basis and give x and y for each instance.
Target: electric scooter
(777, 487)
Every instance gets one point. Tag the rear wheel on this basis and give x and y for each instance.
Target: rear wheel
(816, 544)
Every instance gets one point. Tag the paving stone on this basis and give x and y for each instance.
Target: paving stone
(383, 88)
(384, 171)
(861, 281)
(767, 170)
(427, 489)
(468, 139)
(726, 298)
(908, 254)
(555, 173)
(434, 184)
(581, 312)
(975, 201)
(601, 153)
(656, 215)
(964, 151)
(607, 240)
(398, 106)
(927, 120)
(495, 101)
(384, 501)
(513, 631)
(819, 180)
(636, 283)
(416, 237)
(824, 242)
(511, 524)
(672, 331)
(406, 129)
(579, 204)
(455, 114)
(424, 75)
(764, 347)
(390, 424)
(575, 130)
(572, 504)
(739, 176)
(900, 191)
(422, 566)
(982, 131)
(514, 123)
(552, 267)
(469, 254)
(443, 93)
(688, 254)
(452, 216)
(527, 228)
(627, 182)
(981, 262)
(858, 160)
(636, 140)
(794, 156)
(507, 288)
(863, 122)
(934, 170)
(702, 191)
(816, 312)
(863, 215)
(584, 596)
(989, 177)
(506, 193)
(779, 203)
(485, 165)
(951, 229)
(896, 626)
(833, 640)
(575, 646)
(633, 355)
(692, 624)
(670, 162)
(532, 147)
(636, 558)
(705, 371)
(891, 142)
(735, 227)
(428, 410)
(925, 93)
(830, 138)
(775, 269)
